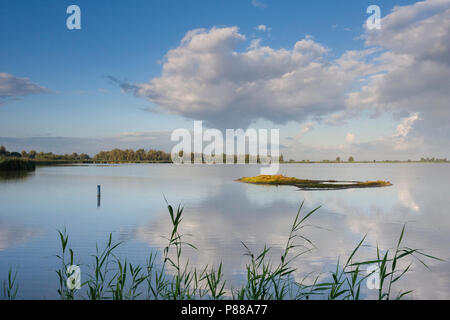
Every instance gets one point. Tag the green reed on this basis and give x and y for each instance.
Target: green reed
(167, 276)
(10, 286)
(64, 292)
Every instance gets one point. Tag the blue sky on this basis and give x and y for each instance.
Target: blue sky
(129, 41)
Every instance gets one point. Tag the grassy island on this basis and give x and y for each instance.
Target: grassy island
(304, 184)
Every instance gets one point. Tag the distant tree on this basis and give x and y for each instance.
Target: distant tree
(32, 154)
(338, 159)
(2, 151)
(140, 155)
(130, 155)
(15, 155)
(351, 159)
(84, 157)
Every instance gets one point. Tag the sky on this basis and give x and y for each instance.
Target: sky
(137, 70)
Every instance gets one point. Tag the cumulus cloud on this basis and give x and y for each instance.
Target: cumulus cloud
(403, 70)
(206, 78)
(406, 74)
(406, 125)
(415, 61)
(400, 145)
(12, 87)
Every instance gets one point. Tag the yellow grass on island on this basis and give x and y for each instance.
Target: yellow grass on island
(279, 180)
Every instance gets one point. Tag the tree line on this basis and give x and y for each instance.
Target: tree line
(132, 156)
(34, 155)
(433, 160)
(115, 155)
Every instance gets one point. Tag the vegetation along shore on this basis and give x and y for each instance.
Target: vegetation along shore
(27, 160)
(304, 184)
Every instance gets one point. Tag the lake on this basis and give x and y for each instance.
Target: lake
(220, 213)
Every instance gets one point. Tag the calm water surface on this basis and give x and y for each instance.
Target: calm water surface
(220, 213)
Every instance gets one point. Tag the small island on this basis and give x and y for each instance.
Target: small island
(304, 184)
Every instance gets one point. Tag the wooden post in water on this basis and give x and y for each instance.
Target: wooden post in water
(98, 195)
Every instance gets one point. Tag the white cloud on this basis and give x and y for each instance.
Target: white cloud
(307, 127)
(397, 145)
(404, 71)
(259, 4)
(12, 87)
(405, 126)
(263, 28)
(350, 138)
(205, 78)
(415, 65)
